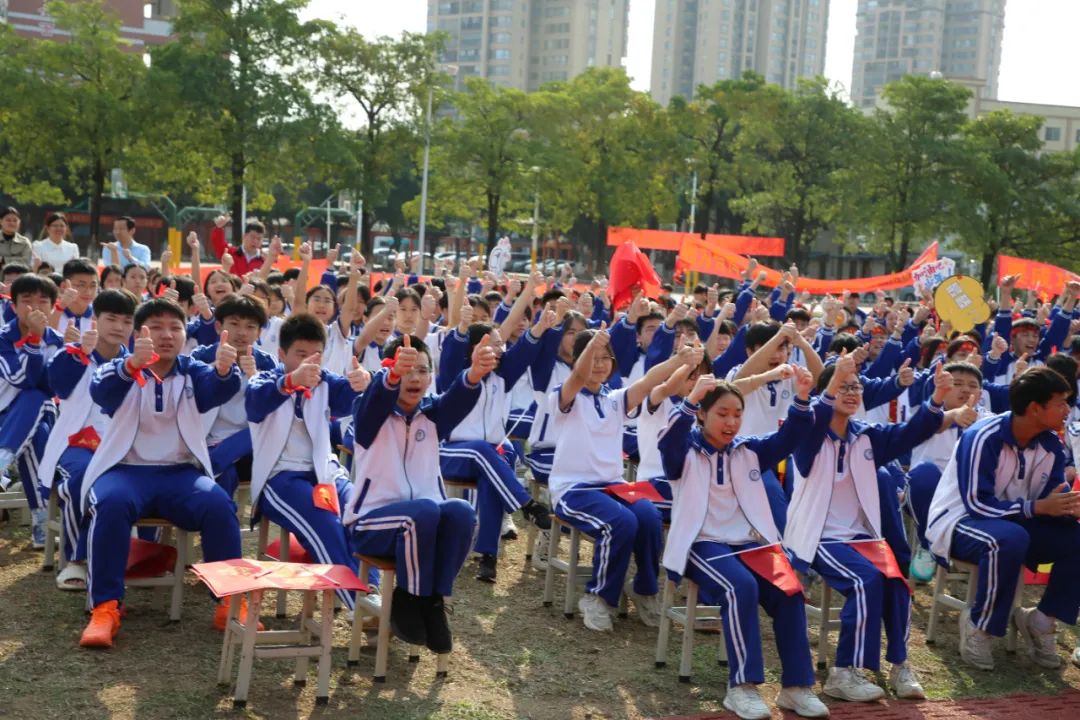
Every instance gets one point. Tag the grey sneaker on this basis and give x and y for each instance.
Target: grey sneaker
(905, 683)
(975, 644)
(38, 521)
(851, 684)
(745, 701)
(802, 701)
(595, 612)
(648, 608)
(1042, 647)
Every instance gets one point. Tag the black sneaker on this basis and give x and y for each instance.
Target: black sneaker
(537, 514)
(487, 568)
(407, 618)
(439, 639)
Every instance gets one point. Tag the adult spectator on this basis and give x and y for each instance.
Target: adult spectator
(54, 248)
(249, 256)
(125, 251)
(14, 248)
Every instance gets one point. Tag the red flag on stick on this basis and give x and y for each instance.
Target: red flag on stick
(771, 564)
(630, 268)
(881, 555)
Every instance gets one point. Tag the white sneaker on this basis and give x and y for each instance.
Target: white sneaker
(852, 685)
(745, 701)
(508, 531)
(905, 683)
(540, 549)
(1042, 646)
(923, 566)
(648, 608)
(975, 644)
(595, 612)
(802, 701)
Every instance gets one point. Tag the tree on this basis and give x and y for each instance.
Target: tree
(907, 164)
(802, 194)
(73, 109)
(388, 81)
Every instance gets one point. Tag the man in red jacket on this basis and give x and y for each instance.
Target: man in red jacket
(246, 258)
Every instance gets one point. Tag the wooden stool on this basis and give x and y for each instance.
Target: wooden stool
(310, 639)
(366, 605)
(969, 573)
(575, 573)
(54, 533)
(16, 500)
(827, 618)
(175, 579)
(457, 487)
(539, 492)
(686, 617)
(281, 606)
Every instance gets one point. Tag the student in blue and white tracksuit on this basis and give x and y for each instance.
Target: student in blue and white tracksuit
(550, 370)
(74, 305)
(837, 500)
(399, 507)
(153, 460)
(26, 408)
(587, 417)
(1003, 504)
(227, 434)
(721, 509)
(477, 448)
(81, 424)
(289, 410)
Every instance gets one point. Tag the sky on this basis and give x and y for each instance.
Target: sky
(1040, 51)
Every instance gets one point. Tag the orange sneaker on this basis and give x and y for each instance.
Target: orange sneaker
(103, 626)
(221, 614)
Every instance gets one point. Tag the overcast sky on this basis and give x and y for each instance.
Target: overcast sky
(1040, 57)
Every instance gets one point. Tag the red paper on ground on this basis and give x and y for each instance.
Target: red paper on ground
(232, 577)
(632, 492)
(297, 553)
(771, 564)
(881, 555)
(149, 559)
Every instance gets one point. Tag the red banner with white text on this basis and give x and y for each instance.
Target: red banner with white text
(669, 240)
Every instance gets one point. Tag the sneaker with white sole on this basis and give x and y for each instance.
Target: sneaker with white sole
(975, 644)
(508, 531)
(923, 565)
(905, 683)
(1042, 646)
(540, 549)
(595, 612)
(745, 701)
(648, 608)
(851, 684)
(802, 701)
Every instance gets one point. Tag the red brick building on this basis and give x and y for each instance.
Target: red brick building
(142, 23)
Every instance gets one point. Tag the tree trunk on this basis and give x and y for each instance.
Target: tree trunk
(367, 219)
(236, 172)
(493, 200)
(905, 246)
(987, 269)
(600, 260)
(97, 192)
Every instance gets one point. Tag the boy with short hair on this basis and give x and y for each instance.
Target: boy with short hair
(295, 480)
(74, 307)
(153, 460)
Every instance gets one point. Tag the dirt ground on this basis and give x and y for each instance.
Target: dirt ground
(513, 658)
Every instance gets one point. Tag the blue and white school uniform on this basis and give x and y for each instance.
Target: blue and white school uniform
(227, 435)
(399, 507)
(70, 380)
(721, 508)
(153, 461)
(291, 453)
(651, 422)
(82, 322)
(837, 499)
(766, 407)
(473, 448)
(27, 411)
(587, 459)
(983, 512)
(548, 372)
(269, 336)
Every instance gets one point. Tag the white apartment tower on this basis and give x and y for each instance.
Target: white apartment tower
(526, 43)
(961, 39)
(698, 42)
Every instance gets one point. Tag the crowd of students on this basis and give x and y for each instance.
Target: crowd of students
(761, 418)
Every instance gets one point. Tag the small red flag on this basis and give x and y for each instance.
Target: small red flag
(771, 564)
(149, 559)
(85, 438)
(324, 495)
(630, 268)
(630, 493)
(881, 555)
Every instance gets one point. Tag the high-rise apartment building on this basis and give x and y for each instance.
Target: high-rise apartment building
(697, 42)
(526, 43)
(141, 23)
(961, 39)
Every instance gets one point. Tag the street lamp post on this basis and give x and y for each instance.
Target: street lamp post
(452, 71)
(536, 216)
(693, 194)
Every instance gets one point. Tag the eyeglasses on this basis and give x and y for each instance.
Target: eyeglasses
(850, 389)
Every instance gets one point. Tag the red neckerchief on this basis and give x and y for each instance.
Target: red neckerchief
(136, 371)
(80, 354)
(32, 339)
(289, 388)
(390, 364)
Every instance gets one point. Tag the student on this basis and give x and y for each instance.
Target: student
(227, 434)
(769, 345)
(294, 475)
(75, 304)
(837, 500)
(136, 280)
(81, 424)
(399, 507)
(1003, 504)
(27, 412)
(587, 416)
(54, 250)
(112, 277)
(152, 460)
(722, 509)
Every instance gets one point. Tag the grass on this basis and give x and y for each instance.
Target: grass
(513, 659)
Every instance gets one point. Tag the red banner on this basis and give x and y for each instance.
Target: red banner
(1044, 277)
(669, 240)
(631, 493)
(698, 256)
(771, 564)
(881, 555)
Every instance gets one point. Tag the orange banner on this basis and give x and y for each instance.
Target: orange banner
(699, 257)
(668, 240)
(1040, 276)
(318, 267)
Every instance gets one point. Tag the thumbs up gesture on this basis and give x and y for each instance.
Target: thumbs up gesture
(246, 361)
(406, 358)
(484, 360)
(89, 339)
(226, 355)
(358, 377)
(144, 348)
(905, 377)
(309, 373)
